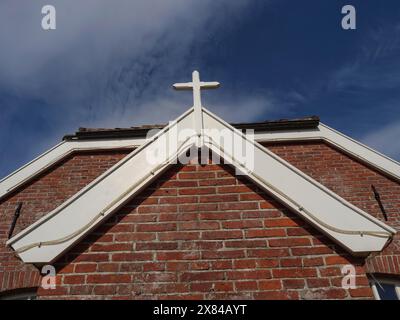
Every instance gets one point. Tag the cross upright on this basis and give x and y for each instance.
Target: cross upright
(196, 85)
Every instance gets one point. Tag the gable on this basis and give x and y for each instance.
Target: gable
(54, 234)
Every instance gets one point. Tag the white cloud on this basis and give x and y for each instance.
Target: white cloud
(108, 63)
(385, 140)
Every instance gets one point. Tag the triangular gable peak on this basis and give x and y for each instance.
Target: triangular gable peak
(54, 234)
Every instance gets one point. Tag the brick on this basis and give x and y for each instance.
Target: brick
(221, 265)
(267, 263)
(361, 292)
(253, 274)
(74, 279)
(133, 256)
(291, 262)
(309, 262)
(318, 283)
(284, 222)
(199, 225)
(161, 277)
(265, 233)
(179, 200)
(330, 271)
(202, 276)
(245, 264)
(246, 244)
(111, 247)
(311, 251)
(219, 198)
(289, 242)
(85, 268)
(336, 260)
(270, 285)
(134, 236)
(153, 266)
(223, 254)
(243, 224)
(156, 227)
(200, 266)
(170, 236)
(267, 253)
(178, 256)
(218, 182)
(234, 189)
(214, 235)
(150, 246)
(104, 290)
(294, 273)
(95, 257)
(108, 278)
(246, 285)
(238, 206)
(223, 286)
(177, 266)
(196, 175)
(108, 267)
(197, 191)
(293, 283)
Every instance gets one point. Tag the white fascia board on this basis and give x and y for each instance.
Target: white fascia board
(89, 207)
(56, 154)
(308, 198)
(62, 150)
(94, 203)
(342, 142)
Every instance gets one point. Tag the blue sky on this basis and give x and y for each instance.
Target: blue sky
(112, 64)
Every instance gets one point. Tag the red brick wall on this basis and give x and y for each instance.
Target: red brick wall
(351, 180)
(199, 232)
(39, 197)
(221, 238)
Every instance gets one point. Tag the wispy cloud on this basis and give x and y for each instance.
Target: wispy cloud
(108, 63)
(385, 140)
(376, 66)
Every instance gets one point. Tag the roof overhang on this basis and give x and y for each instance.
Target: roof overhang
(349, 226)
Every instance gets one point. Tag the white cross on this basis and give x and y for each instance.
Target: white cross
(196, 85)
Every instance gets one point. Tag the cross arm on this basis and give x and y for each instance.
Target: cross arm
(209, 85)
(183, 86)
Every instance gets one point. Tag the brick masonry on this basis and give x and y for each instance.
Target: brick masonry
(39, 197)
(200, 232)
(351, 180)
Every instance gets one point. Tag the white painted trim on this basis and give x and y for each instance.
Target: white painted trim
(302, 193)
(56, 154)
(340, 141)
(103, 195)
(311, 200)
